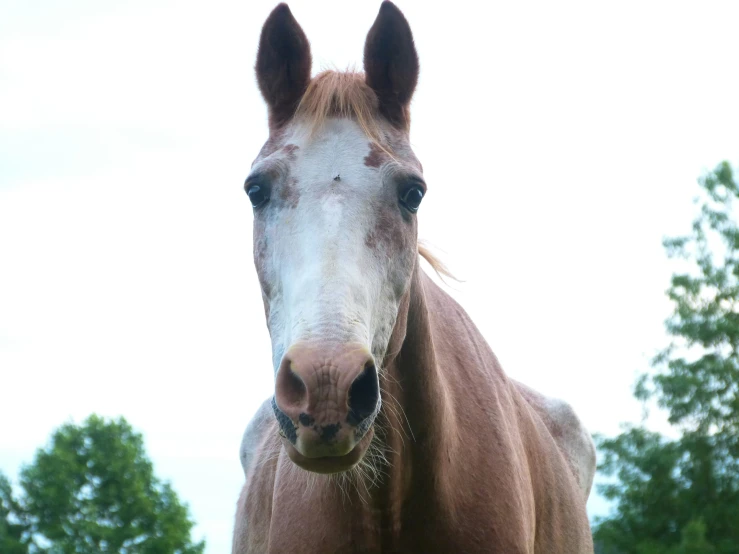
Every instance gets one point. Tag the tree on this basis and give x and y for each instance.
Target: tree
(682, 496)
(93, 491)
(12, 529)
(694, 539)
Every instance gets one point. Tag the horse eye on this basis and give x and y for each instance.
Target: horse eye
(257, 195)
(411, 198)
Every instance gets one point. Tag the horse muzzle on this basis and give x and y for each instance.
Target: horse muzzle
(326, 400)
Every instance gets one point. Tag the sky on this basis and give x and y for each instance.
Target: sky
(560, 142)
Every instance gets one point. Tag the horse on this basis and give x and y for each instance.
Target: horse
(393, 427)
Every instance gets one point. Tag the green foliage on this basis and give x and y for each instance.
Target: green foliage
(682, 496)
(646, 490)
(12, 529)
(694, 539)
(699, 380)
(92, 491)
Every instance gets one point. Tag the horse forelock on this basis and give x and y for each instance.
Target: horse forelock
(342, 94)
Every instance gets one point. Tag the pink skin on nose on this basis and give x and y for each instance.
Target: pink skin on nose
(329, 394)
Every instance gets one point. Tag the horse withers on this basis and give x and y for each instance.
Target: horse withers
(392, 427)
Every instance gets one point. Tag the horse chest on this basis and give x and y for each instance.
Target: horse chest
(312, 520)
(319, 534)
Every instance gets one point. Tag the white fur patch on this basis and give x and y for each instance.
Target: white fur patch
(324, 282)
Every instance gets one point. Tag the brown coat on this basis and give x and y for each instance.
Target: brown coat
(486, 467)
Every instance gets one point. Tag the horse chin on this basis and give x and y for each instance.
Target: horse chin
(330, 464)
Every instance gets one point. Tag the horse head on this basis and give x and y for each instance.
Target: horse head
(335, 191)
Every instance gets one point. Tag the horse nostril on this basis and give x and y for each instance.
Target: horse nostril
(364, 395)
(290, 388)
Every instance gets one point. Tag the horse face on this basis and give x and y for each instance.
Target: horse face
(334, 192)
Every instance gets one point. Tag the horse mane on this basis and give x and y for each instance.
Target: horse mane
(341, 94)
(436, 264)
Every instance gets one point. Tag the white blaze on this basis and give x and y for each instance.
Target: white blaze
(325, 282)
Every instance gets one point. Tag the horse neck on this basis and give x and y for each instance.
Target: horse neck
(414, 376)
(416, 417)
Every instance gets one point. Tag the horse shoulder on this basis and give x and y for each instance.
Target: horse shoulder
(256, 429)
(568, 432)
(258, 460)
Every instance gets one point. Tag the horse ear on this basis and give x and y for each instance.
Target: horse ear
(391, 63)
(283, 64)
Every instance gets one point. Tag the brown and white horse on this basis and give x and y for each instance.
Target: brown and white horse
(392, 427)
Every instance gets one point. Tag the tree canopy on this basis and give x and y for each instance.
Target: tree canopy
(92, 490)
(682, 496)
(11, 529)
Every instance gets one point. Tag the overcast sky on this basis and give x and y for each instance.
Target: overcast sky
(560, 141)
